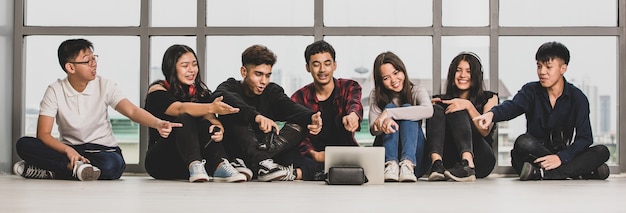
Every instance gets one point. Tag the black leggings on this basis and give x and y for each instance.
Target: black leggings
(169, 158)
(449, 135)
(528, 148)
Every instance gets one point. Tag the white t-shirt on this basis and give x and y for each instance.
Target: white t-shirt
(82, 117)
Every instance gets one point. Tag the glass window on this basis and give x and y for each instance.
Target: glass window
(355, 59)
(400, 13)
(465, 13)
(81, 13)
(556, 13)
(224, 59)
(595, 74)
(181, 13)
(259, 13)
(42, 68)
(158, 45)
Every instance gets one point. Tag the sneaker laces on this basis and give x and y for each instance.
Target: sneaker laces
(290, 173)
(228, 167)
(198, 167)
(35, 172)
(390, 167)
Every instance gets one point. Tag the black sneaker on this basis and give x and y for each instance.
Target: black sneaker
(600, 173)
(26, 170)
(269, 171)
(437, 171)
(461, 172)
(530, 172)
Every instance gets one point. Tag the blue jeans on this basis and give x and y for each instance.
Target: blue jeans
(108, 159)
(411, 136)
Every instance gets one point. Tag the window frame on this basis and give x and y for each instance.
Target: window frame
(318, 31)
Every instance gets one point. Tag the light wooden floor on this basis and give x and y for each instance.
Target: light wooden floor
(137, 193)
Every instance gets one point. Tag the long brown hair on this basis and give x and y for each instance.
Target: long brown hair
(382, 95)
(477, 87)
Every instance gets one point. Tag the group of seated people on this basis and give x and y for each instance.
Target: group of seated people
(201, 135)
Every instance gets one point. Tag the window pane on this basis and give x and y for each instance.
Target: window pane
(224, 59)
(42, 68)
(180, 13)
(465, 13)
(400, 13)
(558, 13)
(259, 13)
(595, 74)
(158, 45)
(82, 13)
(356, 60)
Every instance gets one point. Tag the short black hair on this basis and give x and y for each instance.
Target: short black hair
(69, 49)
(551, 50)
(316, 47)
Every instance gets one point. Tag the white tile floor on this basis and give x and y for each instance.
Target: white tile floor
(143, 194)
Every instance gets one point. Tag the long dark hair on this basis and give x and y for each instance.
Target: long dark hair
(477, 87)
(179, 90)
(382, 95)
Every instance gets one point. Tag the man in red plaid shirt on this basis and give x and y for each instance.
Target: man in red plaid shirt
(339, 100)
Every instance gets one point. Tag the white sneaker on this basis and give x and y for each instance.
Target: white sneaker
(197, 172)
(407, 171)
(391, 171)
(241, 167)
(85, 172)
(269, 171)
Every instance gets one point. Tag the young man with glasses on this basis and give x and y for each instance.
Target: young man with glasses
(86, 149)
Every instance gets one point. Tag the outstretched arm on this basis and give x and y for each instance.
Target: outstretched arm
(143, 117)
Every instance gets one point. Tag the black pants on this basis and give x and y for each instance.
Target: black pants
(169, 158)
(527, 149)
(242, 140)
(449, 135)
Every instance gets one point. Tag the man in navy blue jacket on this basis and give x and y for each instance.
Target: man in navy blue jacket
(555, 112)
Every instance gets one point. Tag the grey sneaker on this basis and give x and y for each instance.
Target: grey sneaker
(269, 171)
(25, 170)
(241, 167)
(85, 172)
(197, 172)
(392, 171)
(227, 173)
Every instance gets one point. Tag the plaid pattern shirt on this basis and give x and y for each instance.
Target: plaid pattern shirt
(347, 99)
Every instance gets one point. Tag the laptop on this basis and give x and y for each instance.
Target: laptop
(371, 159)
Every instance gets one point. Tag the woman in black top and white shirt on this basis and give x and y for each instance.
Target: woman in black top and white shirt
(193, 149)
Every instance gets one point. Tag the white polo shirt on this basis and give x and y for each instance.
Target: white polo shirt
(82, 116)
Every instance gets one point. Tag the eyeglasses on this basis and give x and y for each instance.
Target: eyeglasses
(92, 61)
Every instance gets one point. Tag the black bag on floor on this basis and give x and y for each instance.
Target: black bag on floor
(346, 175)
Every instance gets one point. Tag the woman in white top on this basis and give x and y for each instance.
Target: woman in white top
(396, 108)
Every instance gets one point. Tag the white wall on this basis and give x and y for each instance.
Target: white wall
(6, 84)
